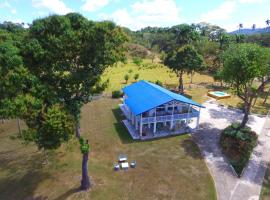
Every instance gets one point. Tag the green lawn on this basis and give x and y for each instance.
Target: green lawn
(169, 168)
(265, 192)
(202, 83)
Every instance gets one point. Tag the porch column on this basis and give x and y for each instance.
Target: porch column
(129, 114)
(132, 119)
(171, 125)
(141, 126)
(188, 115)
(198, 119)
(155, 122)
(136, 123)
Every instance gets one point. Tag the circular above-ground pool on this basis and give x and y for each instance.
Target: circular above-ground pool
(218, 95)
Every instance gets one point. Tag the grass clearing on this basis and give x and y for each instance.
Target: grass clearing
(202, 83)
(170, 168)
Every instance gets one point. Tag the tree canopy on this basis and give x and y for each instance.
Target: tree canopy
(243, 64)
(185, 59)
(69, 53)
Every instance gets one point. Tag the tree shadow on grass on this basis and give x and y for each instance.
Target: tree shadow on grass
(22, 176)
(68, 194)
(191, 148)
(120, 127)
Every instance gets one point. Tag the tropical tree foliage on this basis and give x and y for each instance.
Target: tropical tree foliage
(69, 53)
(185, 59)
(51, 70)
(243, 65)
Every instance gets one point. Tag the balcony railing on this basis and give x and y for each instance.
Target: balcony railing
(166, 118)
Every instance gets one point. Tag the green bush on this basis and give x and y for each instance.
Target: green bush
(136, 76)
(126, 77)
(158, 82)
(138, 61)
(117, 94)
(237, 144)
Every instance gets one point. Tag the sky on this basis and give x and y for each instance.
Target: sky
(136, 14)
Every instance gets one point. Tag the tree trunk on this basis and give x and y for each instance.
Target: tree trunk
(246, 114)
(85, 182)
(19, 126)
(191, 77)
(78, 130)
(2, 120)
(181, 85)
(45, 157)
(266, 97)
(261, 89)
(255, 102)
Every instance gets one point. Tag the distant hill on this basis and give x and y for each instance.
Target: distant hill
(247, 31)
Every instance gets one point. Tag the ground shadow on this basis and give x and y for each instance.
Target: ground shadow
(207, 139)
(120, 127)
(231, 115)
(68, 193)
(23, 175)
(191, 148)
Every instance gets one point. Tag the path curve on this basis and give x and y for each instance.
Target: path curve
(228, 186)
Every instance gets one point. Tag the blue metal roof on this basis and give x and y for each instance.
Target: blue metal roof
(144, 96)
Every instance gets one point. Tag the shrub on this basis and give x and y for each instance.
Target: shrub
(136, 76)
(237, 144)
(117, 94)
(138, 61)
(158, 82)
(126, 77)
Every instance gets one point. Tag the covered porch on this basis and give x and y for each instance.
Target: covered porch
(163, 129)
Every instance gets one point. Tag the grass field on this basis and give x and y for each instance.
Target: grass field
(202, 83)
(170, 168)
(265, 192)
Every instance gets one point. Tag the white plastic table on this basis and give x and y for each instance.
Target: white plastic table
(124, 165)
(122, 158)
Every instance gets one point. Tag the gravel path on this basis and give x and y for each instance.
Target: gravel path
(214, 118)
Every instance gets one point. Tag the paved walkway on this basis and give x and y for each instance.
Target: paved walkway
(215, 118)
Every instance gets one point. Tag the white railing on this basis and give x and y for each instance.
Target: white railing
(166, 118)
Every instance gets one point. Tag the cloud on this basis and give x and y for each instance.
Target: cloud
(146, 13)
(252, 1)
(13, 11)
(223, 12)
(94, 5)
(55, 6)
(7, 5)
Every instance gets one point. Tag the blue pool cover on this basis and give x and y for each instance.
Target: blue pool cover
(144, 96)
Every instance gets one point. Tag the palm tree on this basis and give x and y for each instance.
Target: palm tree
(240, 26)
(267, 22)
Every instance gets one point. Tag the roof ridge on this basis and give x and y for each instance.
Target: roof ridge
(153, 85)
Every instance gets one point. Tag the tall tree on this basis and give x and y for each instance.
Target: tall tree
(224, 40)
(267, 22)
(69, 53)
(243, 64)
(13, 77)
(185, 34)
(240, 26)
(185, 59)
